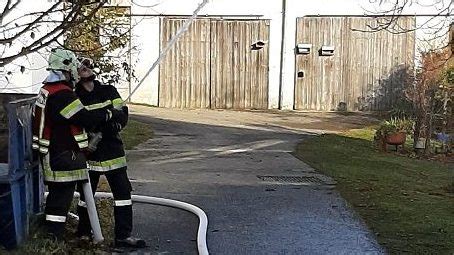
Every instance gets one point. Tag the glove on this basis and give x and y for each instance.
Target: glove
(125, 109)
(126, 116)
(117, 126)
(95, 138)
(112, 126)
(108, 115)
(117, 115)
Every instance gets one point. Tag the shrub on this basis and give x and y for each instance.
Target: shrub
(394, 125)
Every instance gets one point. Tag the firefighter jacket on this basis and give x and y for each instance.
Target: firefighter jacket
(110, 154)
(59, 119)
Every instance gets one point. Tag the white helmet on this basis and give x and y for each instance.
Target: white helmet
(63, 60)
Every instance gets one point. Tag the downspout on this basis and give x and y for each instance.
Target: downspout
(130, 56)
(281, 64)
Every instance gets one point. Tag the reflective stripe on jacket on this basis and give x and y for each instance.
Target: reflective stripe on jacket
(42, 125)
(109, 154)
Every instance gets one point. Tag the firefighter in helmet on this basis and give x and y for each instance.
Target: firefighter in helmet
(59, 123)
(107, 156)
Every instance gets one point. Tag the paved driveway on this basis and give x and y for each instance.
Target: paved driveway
(258, 197)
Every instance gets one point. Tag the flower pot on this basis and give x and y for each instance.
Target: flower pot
(421, 143)
(396, 138)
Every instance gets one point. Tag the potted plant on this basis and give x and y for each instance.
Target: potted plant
(393, 132)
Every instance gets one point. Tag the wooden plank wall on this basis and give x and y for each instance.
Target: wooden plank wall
(366, 71)
(184, 75)
(213, 65)
(239, 75)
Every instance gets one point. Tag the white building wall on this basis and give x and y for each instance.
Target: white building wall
(146, 40)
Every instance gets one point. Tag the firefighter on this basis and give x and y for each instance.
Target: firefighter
(59, 122)
(107, 156)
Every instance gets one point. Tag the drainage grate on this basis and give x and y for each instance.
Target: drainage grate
(307, 180)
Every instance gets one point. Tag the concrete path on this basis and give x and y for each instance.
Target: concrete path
(239, 170)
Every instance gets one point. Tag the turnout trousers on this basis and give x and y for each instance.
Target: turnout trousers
(121, 189)
(58, 202)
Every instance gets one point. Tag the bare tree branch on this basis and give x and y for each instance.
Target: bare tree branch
(391, 16)
(9, 25)
(27, 28)
(72, 18)
(8, 9)
(5, 11)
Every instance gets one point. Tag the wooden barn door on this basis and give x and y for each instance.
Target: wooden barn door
(239, 73)
(214, 65)
(184, 74)
(365, 70)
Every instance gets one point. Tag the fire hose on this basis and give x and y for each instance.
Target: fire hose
(94, 220)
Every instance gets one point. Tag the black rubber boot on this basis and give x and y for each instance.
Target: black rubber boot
(130, 242)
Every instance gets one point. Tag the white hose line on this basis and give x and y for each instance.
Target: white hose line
(172, 41)
(92, 213)
(203, 219)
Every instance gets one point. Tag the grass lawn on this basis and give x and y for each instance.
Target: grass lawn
(406, 202)
(38, 244)
(134, 133)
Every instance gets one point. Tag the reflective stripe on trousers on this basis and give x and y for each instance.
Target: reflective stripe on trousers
(123, 202)
(55, 218)
(121, 189)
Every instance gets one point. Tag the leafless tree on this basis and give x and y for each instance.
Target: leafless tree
(428, 87)
(25, 33)
(434, 22)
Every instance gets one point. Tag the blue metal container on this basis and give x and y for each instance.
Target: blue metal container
(7, 227)
(21, 187)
